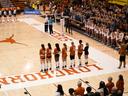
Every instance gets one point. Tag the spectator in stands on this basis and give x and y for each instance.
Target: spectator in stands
(126, 41)
(114, 92)
(103, 89)
(80, 90)
(119, 93)
(97, 94)
(126, 38)
(110, 85)
(113, 26)
(120, 84)
(59, 91)
(44, 8)
(112, 16)
(77, 17)
(71, 92)
(89, 92)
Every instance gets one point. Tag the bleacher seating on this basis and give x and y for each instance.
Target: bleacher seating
(6, 3)
(76, 23)
(19, 3)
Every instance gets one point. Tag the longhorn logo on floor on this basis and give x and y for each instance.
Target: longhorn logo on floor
(11, 41)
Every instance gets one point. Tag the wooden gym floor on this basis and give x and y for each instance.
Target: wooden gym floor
(21, 56)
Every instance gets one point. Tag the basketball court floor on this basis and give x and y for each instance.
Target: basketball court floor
(20, 43)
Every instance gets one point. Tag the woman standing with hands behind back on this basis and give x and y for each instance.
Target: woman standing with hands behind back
(86, 53)
(49, 56)
(64, 55)
(57, 55)
(42, 58)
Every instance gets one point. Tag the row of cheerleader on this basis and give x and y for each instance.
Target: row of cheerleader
(46, 55)
(104, 35)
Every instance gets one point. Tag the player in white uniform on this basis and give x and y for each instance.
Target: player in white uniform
(10, 14)
(126, 38)
(104, 35)
(87, 27)
(108, 38)
(121, 36)
(91, 29)
(5, 14)
(96, 32)
(113, 40)
(99, 33)
(14, 13)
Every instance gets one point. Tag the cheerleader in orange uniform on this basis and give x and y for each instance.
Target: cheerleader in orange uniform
(64, 55)
(72, 54)
(42, 58)
(49, 56)
(57, 55)
(80, 51)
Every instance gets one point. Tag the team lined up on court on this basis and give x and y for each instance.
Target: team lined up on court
(46, 56)
(104, 35)
(8, 14)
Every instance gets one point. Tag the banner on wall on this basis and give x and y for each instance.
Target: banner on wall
(119, 2)
(32, 11)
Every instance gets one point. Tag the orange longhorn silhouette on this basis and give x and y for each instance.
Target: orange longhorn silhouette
(11, 40)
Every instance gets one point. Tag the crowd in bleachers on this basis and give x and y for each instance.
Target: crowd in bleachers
(113, 16)
(104, 22)
(105, 88)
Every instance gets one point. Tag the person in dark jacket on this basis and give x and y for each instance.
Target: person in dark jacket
(86, 53)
